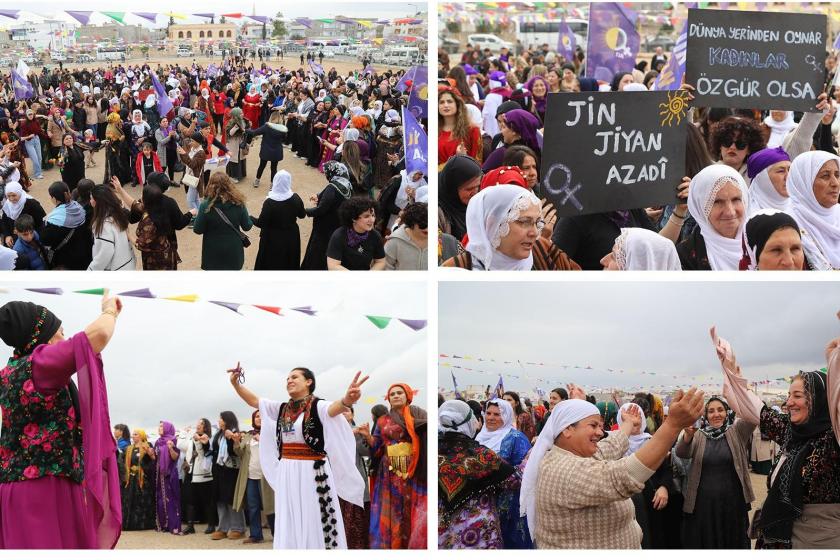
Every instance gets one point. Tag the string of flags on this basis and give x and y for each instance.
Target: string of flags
(380, 321)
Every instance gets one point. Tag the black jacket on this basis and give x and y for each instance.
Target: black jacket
(271, 148)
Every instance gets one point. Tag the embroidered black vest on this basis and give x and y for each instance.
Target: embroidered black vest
(41, 434)
(313, 429)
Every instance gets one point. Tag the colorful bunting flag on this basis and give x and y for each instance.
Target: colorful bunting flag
(190, 298)
(82, 17)
(380, 322)
(150, 16)
(142, 293)
(307, 310)
(116, 16)
(275, 310)
(92, 291)
(232, 306)
(51, 291)
(414, 324)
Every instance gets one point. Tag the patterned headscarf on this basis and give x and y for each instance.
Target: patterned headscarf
(716, 433)
(339, 177)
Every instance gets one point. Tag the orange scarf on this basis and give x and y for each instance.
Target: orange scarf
(409, 425)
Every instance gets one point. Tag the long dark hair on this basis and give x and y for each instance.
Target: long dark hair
(518, 408)
(153, 205)
(231, 423)
(697, 155)
(60, 191)
(81, 193)
(107, 205)
(206, 427)
(124, 431)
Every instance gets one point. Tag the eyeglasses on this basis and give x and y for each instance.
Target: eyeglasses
(728, 141)
(528, 223)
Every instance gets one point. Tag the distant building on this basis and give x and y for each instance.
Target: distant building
(254, 31)
(46, 35)
(411, 26)
(197, 32)
(114, 32)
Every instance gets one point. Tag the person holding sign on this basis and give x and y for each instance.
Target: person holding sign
(814, 184)
(802, 509)
(717, 199)
(308, 456)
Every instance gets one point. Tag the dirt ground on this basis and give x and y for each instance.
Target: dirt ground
(154, 540)
(306, 181)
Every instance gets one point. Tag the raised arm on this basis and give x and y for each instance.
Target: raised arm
(744, 402)
(832, 353)
(246, 394)
(100, 331)
(351, 397)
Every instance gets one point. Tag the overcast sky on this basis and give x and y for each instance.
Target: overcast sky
(167, 359)
(775, 328)
(187, 7)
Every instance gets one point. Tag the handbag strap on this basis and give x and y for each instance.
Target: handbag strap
(64, 241)
(225, 220)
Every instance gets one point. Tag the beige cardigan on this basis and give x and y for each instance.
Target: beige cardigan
(243, 451)
(738, 436)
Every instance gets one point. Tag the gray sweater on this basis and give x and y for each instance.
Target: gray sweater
(402, 254)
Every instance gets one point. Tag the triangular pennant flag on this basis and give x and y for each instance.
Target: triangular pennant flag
(144, 293)
(275, 310)
(308, 310)
(380, 322)
(191, 298)
(52, 291)
(231, 306)
(93, 291)
(116, 16)
(414, 324)
(370, 400)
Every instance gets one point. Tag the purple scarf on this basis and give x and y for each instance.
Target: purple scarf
(162, 449)
(355, 239)
(526, 125)
(539, 102)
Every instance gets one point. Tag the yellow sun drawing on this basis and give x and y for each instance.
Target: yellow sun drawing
(676, 107)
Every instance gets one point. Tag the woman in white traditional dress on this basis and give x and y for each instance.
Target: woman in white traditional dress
(308, 456)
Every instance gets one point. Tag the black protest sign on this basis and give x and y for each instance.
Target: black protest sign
(613, 151)
(756, 60)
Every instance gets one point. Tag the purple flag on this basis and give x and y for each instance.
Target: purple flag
(51, 291)
(672, 74)
(261, 19)
(416, 324)
(315, 67)
(231, 306)
(418, 99)
(151, 16)
(81, 17)
(307, 310)
(416, 146)
(613, 40)
(164, 104)
(369, 70)
(306, 22)
(23, 89)
(566, 41)
(208, 16)
(409, 75)
(142, 293)
(837, 42)
(342, 19)
(12, 14)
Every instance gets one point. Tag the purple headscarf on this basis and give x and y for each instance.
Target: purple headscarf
(526, 124)
(364, 151)
(763, 159)
(539, 102)
(162, 449)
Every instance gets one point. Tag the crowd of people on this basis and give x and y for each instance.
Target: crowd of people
(304, 469)
(145, 126)
(574, 472)
(761, 189)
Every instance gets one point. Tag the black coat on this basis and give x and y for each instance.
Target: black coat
(279, 234)
(271, 148)
(76, 254)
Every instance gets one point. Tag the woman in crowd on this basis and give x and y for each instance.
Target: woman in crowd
(57, 127)
(772, 241)
(168, 489)
(117, 158)
(235, 134)
(279, 232)
(221, 215)
(31, 132)
(518, 128)
(226, 464)
(407, 248)
(336, 126)
(717, 200)
(194, 160)
(469, 477)
(306, 486)
(198, 482)
(122, 435)
(71, 160)
(355, 157)
(139, 483)
(147, 162)
(154, 228)
(500, 435)
(524, 421)
(803, 502)
(326, 215)
(252, 489)
(141, 133)
(389, 142)
(565, 493)
(166, 137)
(112, 249)
(458, 182)
(16, 203)
(398, 473)
(641, 249)
(814, 186)
(539, 87)
(356, 245)
(271, 147)
(455, 134)
(768, 171)
(72, 504)
(65, 232)
(503, 226)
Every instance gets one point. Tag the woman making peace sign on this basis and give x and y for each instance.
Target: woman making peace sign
(308, 456)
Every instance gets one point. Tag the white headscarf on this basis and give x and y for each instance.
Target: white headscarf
(636, 441)
(405, 182)
(8, 258)
(821, 225)
(391, 116)
(563, 415)
(642, 249)
(778, 130)
(150, 101)
(281, 186)
(493, 440)
(489, 214)
(13, 210)
(764, 195)
(474, 115)
(355, 111)
(723, 253)
(456, 416)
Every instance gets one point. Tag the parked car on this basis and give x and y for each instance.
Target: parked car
(487, 41)
(84, 59)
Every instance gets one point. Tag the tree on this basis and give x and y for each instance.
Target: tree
(279, 26)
